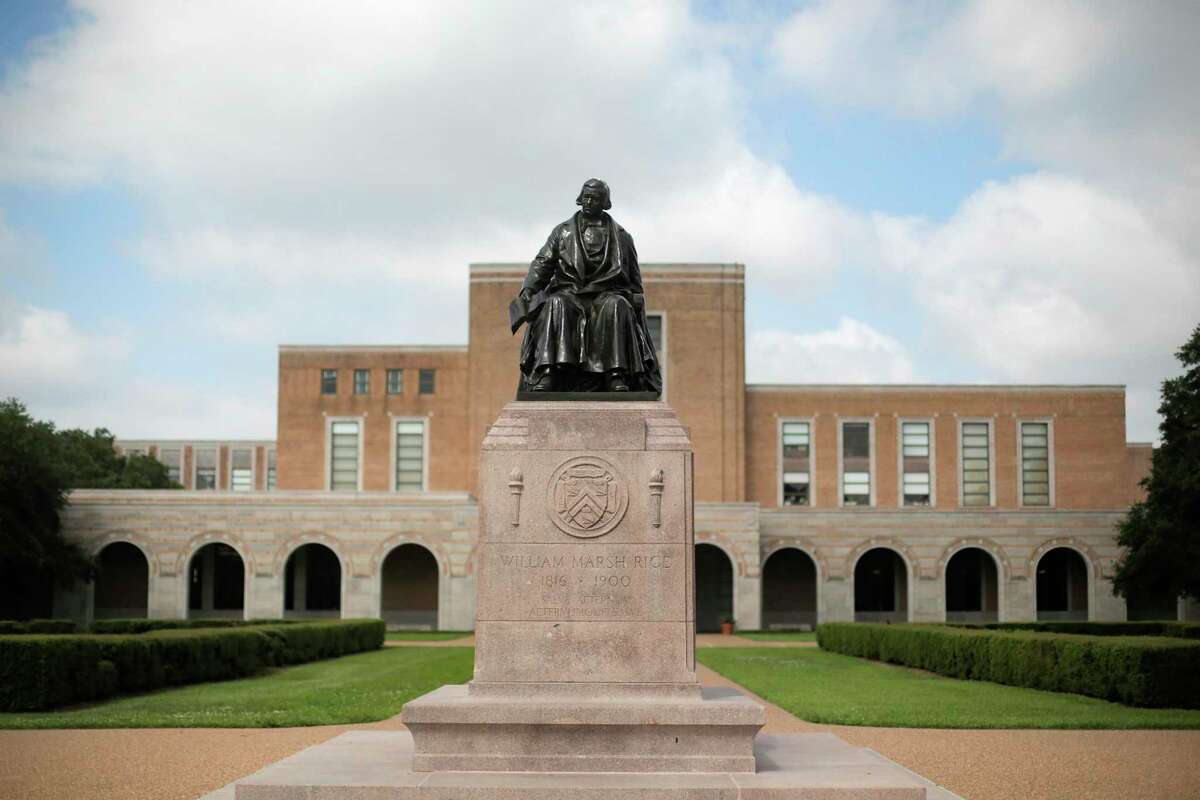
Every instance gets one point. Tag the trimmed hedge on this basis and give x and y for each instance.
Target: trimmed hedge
(10, 627)
(1137, 671)
(1181, 630)
(147, 625)
(40, 672)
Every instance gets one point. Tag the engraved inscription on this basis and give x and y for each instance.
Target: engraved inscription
(622, 583)
(587, 497)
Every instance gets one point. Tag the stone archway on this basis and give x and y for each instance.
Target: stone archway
(714, 588)
(216, 577)
(312, 583)
(122, 586)
(408, 588)
(1062, 585)
(972, 586)
(881, 587)
(789, 589)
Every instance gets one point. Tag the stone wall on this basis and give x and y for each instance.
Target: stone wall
(169, 527)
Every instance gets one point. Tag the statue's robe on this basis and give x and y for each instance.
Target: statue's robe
(588, 307)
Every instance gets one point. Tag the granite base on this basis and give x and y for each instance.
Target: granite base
(376, 765)
(457, 730)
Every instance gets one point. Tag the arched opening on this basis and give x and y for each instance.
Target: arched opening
(714, 588)
(1062, 587)
(972, 588)
(789, 591)
(880, 587)
(216, 583)
(312, 583)
(122, 587)
(409, 594)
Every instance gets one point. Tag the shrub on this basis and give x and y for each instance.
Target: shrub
(1182, 630)
(40, 671)
(10, 627)
(147, 625)
(1138, 671)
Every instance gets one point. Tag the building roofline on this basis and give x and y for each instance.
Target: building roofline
(373, 348)
(184, 442)
(665, 267)
(933, 387)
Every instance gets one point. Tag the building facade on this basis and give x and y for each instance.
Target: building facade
(814, 502)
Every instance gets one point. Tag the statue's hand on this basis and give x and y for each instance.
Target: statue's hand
(526, 294)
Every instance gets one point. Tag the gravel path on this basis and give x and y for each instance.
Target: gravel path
(182, 764)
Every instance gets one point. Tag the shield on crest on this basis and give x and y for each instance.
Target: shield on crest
(587, 497)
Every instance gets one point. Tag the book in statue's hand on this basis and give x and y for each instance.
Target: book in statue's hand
(520, 310)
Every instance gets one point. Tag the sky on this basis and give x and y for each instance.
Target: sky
(921, 192)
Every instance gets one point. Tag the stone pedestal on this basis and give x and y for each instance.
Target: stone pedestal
(585, 680)
(585, 626)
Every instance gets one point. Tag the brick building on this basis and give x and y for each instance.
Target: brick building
(814, 502)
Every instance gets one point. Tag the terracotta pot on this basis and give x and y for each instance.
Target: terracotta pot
(726, 628)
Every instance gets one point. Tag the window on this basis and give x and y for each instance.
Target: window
(343, 456)
(206, 469)
(172, 459)
(329, 381)
(362, 381)
(270, 470)
(915, 461)
(856, 463)
(395, 381)
(976, 464)
(797, 460)
(426, 380)
(656, 326)
(1035, 463)
(410, 456)
(241, 470)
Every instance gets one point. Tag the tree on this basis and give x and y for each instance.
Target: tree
(91, 462)
(1161, 534)
(33, 487)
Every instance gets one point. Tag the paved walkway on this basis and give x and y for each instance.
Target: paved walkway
(182, 764)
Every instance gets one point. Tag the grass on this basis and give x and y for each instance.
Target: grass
(359, 688)
(425, 636)
(835, 689)
(778, 636)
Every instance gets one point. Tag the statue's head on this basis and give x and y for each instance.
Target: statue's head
(594, 197)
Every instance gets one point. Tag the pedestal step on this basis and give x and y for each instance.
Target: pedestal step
(374, 765)
(455, 730)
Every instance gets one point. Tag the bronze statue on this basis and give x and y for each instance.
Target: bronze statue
(585, 308)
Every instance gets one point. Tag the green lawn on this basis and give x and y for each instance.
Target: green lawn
(831, 688)
(425, 636)
(360, 688)
(778, 636)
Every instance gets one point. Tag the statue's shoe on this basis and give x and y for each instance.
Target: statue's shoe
(616, 383)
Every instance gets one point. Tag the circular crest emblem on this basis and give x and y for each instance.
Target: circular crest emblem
(587, 497)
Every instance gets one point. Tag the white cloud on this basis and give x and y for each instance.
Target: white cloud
(276, 146)
(83, 378)
(933, 59)
(1049, 279)
(853, 352)
(42, 351)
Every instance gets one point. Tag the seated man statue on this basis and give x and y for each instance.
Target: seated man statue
(585, 307)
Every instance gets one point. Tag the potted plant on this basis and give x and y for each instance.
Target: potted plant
(726, 625)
